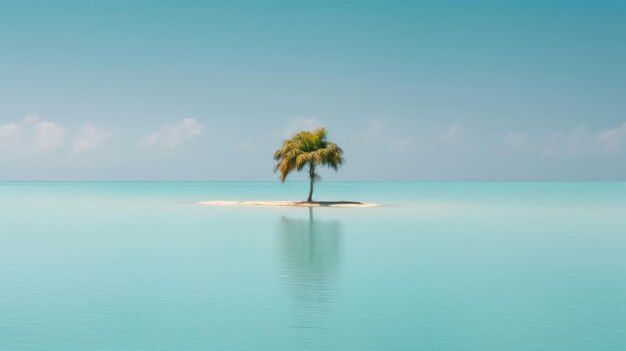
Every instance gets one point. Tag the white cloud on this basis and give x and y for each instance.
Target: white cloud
(192, 126)
(577, 141)
(31, 136)
(376, 132)
(519, 141)
(89, 138)
(612, 139)
(453, 135)
(299, 124)
(8, 131)
(169, 137)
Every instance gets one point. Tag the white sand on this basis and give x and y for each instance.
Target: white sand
(287, 203)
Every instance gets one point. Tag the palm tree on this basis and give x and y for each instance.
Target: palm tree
(307, 149)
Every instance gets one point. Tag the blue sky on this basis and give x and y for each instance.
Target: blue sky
(412, 90)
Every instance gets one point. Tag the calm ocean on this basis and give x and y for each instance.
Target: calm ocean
(441, 266)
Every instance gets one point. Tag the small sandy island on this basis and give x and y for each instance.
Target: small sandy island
(288, 203)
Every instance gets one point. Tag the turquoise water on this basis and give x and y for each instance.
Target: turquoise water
(441, 266)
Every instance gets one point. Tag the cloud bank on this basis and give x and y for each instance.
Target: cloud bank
(36, 137)
(577, 141)
(31, 136)
(377, 133)
(612, 139)
(89, 138)
(299, 124)
(171, 136)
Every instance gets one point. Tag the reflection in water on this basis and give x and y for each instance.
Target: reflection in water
(310, 259)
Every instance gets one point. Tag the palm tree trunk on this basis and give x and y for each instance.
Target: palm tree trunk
(312, 180)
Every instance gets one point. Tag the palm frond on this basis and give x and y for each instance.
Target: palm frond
(307, 148)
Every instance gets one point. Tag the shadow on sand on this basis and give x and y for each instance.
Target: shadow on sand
(330, 203)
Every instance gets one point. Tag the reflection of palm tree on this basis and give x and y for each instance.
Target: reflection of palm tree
(310, 258)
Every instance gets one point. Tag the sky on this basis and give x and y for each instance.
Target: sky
(469, 90)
